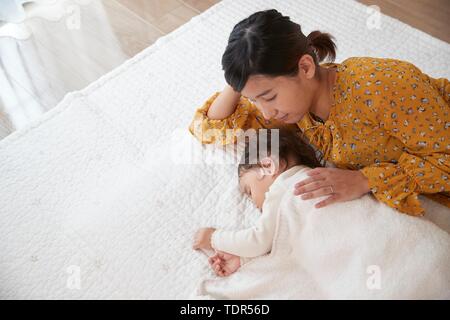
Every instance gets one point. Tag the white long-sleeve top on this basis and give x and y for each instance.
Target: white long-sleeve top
(257, 240)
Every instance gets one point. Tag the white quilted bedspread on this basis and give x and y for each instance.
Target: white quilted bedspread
(98, 199)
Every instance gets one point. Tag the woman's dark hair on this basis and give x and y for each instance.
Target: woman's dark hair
(291, 146)
(268, 43)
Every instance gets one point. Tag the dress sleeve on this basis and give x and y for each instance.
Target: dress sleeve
(225, 131)
(420, 118)
(442, 85)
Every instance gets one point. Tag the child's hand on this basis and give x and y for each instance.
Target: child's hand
(224, 263)
(202, 238)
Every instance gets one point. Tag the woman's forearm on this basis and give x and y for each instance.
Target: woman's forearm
(225, 104)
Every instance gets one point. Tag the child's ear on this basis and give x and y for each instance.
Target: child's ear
(268, 167)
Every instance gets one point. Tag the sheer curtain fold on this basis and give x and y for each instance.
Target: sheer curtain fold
(12, 11)
(36, 72)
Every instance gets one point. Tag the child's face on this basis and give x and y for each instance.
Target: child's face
(255, 185)
(256, 182)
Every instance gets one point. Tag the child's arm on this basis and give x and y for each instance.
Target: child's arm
(251, 242)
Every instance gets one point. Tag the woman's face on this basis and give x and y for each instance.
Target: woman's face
(284, 98)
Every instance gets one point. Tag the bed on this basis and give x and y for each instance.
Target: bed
(101, 196)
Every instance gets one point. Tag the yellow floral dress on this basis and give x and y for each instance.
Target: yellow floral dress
(388, 120)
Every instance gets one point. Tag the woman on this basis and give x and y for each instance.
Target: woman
(382, 122)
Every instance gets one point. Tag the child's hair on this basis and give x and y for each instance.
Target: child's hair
(290, 146)
(268, 43)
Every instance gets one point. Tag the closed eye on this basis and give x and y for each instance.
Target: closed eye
(271, 99)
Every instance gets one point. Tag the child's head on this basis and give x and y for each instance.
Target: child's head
(258, 171)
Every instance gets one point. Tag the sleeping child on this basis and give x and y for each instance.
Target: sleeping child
(263, 179)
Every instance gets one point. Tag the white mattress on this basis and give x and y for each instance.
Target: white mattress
(95, 189)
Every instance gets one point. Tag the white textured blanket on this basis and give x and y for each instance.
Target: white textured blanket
(353, 250)
(92, 204)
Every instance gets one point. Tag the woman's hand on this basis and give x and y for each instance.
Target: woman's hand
(202, 238)
(340, 184)
(224, 263)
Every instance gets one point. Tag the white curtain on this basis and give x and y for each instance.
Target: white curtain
(17, 98)
(12, 10)
(26, 91)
